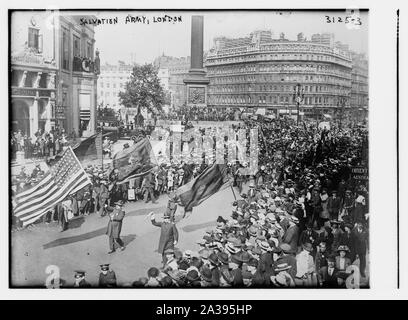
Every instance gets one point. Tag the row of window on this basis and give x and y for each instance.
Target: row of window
(332, 79)
(280, 88)
(108, 94)
(283, 56)
(275, 68)
(275, 99)
(108, 85)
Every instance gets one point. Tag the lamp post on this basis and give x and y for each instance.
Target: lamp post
(298, 96)
(341, 103)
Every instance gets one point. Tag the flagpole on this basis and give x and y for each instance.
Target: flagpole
(233, 192)
(102, 148)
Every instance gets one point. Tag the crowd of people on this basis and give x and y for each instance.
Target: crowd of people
(196, 113)
(44, 144)
(303, 222)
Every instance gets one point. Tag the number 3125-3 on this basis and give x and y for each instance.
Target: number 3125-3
(348, 19)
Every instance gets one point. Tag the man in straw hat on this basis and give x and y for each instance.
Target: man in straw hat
(282, 277)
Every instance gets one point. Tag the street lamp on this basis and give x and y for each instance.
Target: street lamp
(298, 96)
(341, 103)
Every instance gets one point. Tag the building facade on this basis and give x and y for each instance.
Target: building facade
(78, 74)
(264, 71)
(359, 85)
(172, 71)
(34, 70)
(53, 74)
(112, 80)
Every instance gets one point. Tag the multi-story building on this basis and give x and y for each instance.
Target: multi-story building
(265, 72)
(33, 71)
(359, 85)
(172, 71)
(78, 75)
(112, 80)
(324, 38)
(53, 73)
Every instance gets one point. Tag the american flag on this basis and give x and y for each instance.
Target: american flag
(65, 177)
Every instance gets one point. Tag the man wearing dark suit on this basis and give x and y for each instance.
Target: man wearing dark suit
(116, 216)
(333, 205)
(321, 261)
(359, 241)
(172, 206)
(107, 278)
(291, 235)
(308, 235)
(236, 272)
(265, 265)
(329, 276)
(148, 185)
(283, 255)
(103, 197)
(168, 234)
(80, 281)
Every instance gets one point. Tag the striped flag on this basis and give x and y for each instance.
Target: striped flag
(65, 177)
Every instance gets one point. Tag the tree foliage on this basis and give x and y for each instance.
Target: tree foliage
(143, 90)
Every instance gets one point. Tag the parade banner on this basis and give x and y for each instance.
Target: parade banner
(209, 182)
(134, 161)
(64, 178)
(89, 149)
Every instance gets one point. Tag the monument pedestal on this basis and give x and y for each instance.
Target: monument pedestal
(196, 84)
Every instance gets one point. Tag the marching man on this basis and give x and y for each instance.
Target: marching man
(168, 234)
(116, 216)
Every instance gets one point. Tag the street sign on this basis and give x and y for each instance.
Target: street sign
(359, 173)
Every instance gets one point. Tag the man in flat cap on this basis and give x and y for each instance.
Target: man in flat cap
(107, 278)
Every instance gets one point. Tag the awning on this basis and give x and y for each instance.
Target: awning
(85, 114)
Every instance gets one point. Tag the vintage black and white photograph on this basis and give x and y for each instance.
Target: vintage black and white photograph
(189, 149)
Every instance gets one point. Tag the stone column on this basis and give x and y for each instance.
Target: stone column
(37, 80)
(48, 110)
(197, 34)
(23, 80)
(34, 118)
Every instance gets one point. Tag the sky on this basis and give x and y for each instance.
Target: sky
(147, 41)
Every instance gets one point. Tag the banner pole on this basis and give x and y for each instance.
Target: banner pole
(233, 192)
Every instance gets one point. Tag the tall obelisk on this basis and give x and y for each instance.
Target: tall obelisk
(196, 81)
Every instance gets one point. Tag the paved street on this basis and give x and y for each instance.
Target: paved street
(85, 245)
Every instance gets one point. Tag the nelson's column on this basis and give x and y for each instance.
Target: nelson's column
(196, 81)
